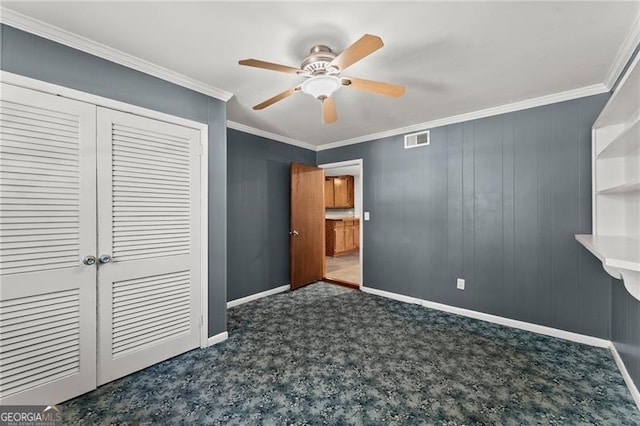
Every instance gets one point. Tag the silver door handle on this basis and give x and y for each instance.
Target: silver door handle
(89, 260)
(105, 258)
(294, 232)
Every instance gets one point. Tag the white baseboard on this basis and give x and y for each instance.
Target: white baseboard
(220, 337)
(389, 295)
(554, 332)
(256, 296)
(522, 325)
(625, 375)
(535, 328)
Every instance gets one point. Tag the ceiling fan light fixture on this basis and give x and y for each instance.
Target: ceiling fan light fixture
(321, 86)
(321, 70)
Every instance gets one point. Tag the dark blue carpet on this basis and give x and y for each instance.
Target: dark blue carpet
(329, 355)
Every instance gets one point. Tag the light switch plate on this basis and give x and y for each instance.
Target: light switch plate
(460, 284)
(366, 215)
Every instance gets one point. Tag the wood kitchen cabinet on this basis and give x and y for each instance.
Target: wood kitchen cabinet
(342, 236)
(328, 193)
(356, 234)
(338, 192)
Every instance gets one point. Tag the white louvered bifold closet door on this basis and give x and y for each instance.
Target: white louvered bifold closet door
(149, 223)
(47, 226)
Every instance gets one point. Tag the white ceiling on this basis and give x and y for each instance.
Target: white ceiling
(453, 58)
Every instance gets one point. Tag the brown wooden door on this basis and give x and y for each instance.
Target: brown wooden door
(306, 241)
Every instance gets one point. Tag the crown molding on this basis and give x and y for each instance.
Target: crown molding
(34, 26)
(595, 89)
(631, 41)
(263, 133)
(42, 29)
(582, 92)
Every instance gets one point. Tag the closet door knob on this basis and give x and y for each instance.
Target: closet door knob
(105, 258)
(89, 260)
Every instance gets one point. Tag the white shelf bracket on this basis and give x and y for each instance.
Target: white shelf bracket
(631, 280)
(615, 273)
(619, 256)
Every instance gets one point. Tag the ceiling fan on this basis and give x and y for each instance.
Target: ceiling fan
(322, 70)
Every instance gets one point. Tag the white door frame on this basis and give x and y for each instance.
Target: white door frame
(30, 83)
(358, 162)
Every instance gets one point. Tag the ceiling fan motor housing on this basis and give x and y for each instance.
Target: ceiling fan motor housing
(318, 61)
(321, 72)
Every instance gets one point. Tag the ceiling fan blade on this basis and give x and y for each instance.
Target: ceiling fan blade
(374, 86)
(329, 114)
(270, 66)
(276, 98)
(365, 46)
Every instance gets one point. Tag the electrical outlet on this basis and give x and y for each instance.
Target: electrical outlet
(460, 284)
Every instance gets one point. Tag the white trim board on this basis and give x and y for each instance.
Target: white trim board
(582, 92)
(257, 296)
(50, 32)
(67, 38)
(360, 163)
(624, 54)
(54, 89)
(390, 295)
(522, 325)
(540, 329)
(273, 136)
(625, 375)
(204, 230)
(218, 338)
(535, 328)
(346, 163)
(569, 95)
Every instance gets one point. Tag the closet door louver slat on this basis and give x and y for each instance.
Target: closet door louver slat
(47, 225)
(15, 176)
(162, 158)
(149, 222)
(143, 210)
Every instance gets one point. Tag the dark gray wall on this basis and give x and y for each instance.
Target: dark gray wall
(217, 120)
(625, 328)
(496, 201)
(32, 56)
(258, 212)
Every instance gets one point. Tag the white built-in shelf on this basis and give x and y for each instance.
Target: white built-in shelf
(613, 251)
(615, 238)
(620, 257)
(625, 144)
(622, 188)
(625, 101)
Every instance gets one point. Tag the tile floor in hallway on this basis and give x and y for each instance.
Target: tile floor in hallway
(344, 268)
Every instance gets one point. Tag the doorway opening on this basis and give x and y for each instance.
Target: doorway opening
(343, 227)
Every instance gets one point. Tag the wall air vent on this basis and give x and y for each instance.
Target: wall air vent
(415, 140)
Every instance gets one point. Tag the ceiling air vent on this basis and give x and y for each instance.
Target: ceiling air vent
(415, 140)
